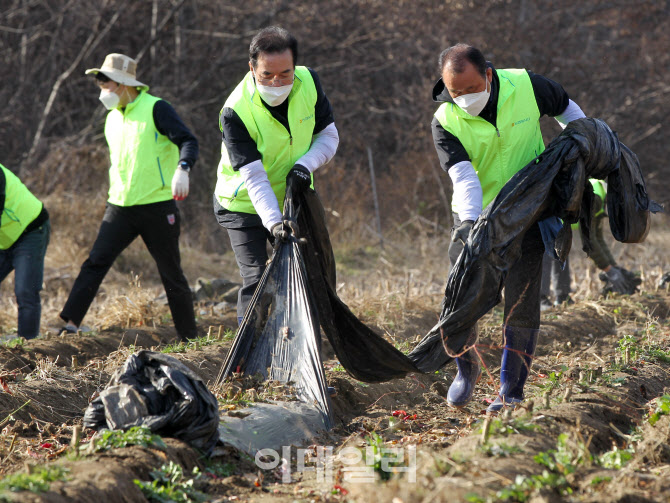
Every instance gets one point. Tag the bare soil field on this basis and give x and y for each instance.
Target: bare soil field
(599, 381)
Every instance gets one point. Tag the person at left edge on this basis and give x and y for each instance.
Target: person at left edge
(24, 237)
(151, 154)
(277, 124)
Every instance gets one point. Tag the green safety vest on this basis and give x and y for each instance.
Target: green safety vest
(279, 149)
(21, 208)
(498, 152)
(599, 190)
(142, 160)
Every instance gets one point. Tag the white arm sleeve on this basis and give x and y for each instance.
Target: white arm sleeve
(323, 148)
(467, 198)
(571, 113)
(261, 194)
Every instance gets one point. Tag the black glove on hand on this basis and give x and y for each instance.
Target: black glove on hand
(280, 232)
(300, 177)
(619, 280)
(462, 231)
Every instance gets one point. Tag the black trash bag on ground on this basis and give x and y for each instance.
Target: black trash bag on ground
(554, 184)
(161, 393)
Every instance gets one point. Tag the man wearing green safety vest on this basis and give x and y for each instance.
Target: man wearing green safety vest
(277, 125)
(616, 278)
(151, 153)
(24, 237)
(486, 129)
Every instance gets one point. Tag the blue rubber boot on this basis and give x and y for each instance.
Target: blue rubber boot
(461, 390)
(517, 358)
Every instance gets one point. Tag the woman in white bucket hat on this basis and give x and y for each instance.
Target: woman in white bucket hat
(151, 155)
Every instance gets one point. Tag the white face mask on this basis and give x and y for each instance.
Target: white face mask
(274, 96)
(474, 103)
(109, 99)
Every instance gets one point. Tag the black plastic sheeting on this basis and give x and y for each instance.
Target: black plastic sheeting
(161, 393)
(553, 185)
(279, 335)
(365, 355)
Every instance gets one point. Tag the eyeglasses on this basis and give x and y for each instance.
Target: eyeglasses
(275, 81)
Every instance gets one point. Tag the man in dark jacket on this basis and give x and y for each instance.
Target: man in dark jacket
(151, 155)
(486, 130)
(24, 237)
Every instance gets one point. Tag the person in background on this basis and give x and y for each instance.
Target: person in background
(486, 129)
(615, 278)
(151, 155)
(24, 237)
(277, 125)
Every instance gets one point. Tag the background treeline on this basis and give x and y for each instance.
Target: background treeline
(376, 59)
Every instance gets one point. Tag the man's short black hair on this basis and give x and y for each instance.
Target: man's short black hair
(460, 54)
(272, 40)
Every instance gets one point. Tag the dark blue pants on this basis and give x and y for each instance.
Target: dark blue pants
(26, 259)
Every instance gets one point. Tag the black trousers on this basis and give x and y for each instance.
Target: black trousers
(159, 225)
(250, 247)
(523, 281)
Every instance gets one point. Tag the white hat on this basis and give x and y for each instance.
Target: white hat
(121, 69)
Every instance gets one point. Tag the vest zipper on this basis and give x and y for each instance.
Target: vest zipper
(236, 191)
(497, 131)
(290, 139)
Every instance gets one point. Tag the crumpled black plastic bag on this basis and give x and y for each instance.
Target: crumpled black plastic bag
(161, 393)
(554, 184)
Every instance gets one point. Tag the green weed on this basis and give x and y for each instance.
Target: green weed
(170, 486)
(137, 435)
(499, 450)
(14, 343)
(37, 481)
(380, 459)
(198, 342)
(662, 409)
(616, 458)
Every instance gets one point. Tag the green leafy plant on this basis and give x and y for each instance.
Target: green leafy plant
(137, 435)
(198, 342)
(169, 485)
(616, 458)
(380, 459)
(523, 487)
(499, 450)
(566, 457)
(662, 409)
(500, 426)
(37, 480)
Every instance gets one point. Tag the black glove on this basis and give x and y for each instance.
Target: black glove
(300, 177)
(461, 232)
(280, 231)
(619, 280)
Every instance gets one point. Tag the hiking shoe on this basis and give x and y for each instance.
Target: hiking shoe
(545, 303)
(68, 329)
